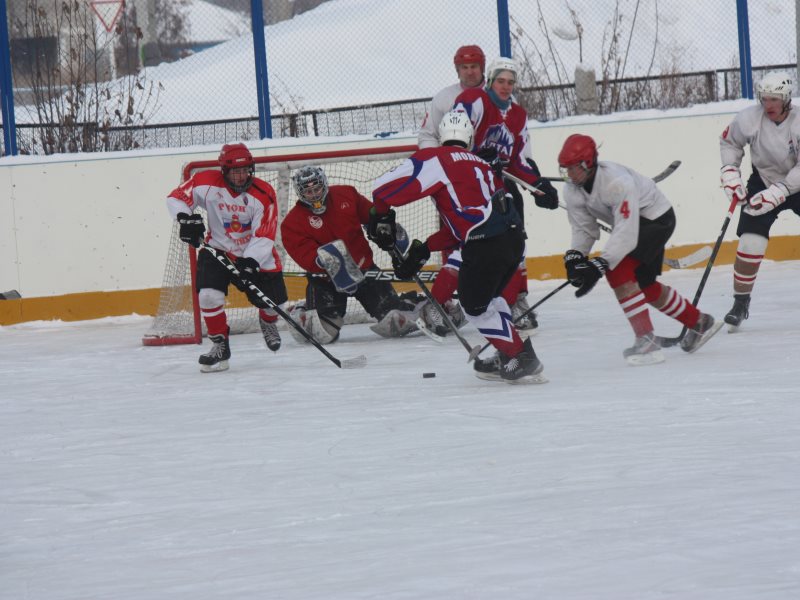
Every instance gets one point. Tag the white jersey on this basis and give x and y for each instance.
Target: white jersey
(428, 135)
(240, 224)
(620, 196)
(774, 148)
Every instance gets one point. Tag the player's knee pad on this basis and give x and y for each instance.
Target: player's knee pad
(210, 298)
(753, 244)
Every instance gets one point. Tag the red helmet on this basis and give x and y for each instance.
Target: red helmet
(578, 149)
(470, 54)
(234, 156)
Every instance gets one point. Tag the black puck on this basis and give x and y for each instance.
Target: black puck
(428, 375)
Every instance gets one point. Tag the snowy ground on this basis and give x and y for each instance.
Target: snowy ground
(126, 474)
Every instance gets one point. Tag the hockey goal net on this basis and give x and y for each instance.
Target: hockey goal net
(178, 321)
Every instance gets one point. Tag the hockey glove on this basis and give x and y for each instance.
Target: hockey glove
(490, 155)
(418, 255)
(765, 201)
(590, 272)
(382, 229)
(191, 229)
(573, 258)
(732, 184)
(248, 272)
(548, 198)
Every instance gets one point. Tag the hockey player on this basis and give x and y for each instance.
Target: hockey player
(641, 220)
(482, 220)
(323, 234)
(772, 130)
(242, 216)
(470, 62)
(501, 138)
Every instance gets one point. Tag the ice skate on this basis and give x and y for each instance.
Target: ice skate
(270, 333)
(698, 335)
(456, 313)
(645, 351)
(432, 320)
(739, 312)
(524, 368)
(526, 323)
(216, 359)
(488, 368)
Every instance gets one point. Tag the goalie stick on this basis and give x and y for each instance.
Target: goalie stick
(472, 350)
(348, 363)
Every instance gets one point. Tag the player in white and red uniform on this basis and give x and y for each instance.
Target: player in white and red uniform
(501, 137)
(242, 215)
(772, 130)
(323, 215)
(478, 216)
(641, 220)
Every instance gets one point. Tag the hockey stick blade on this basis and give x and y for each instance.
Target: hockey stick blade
(668, 171)
(695, 257)
(423, 327)
(357, 362)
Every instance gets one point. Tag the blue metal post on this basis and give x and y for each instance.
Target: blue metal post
(7, 86)
(504, 28)
(745, 67)
(262, 79)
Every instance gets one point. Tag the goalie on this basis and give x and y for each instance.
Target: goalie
(323, 233)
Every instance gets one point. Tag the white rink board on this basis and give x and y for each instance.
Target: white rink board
(97, 222)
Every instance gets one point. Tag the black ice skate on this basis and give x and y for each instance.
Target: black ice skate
(270, 333)
(488, 368)
(216, 359)
(524, 368)
(739, 312)
(698, 335)
(645, 351)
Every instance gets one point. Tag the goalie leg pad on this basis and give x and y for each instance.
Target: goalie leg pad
(340, 266)
(323, 329)
(396, 323)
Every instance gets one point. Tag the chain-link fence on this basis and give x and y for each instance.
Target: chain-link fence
(184, 72)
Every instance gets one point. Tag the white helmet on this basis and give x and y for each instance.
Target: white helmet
(456, 127)
(500, 64)
(775, 83)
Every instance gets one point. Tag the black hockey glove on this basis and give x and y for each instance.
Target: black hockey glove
(572, 258)
(382, 229)
(418, 254)
(490, 155)
(192, 229)
(590, 272)
(249, 270)
(549, 198)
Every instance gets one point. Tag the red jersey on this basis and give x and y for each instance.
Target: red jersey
(346, 211)
(240, 224)
(460, 183)
(505, 130)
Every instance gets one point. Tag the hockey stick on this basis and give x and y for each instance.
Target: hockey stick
(348, 363)
(472, 350)
(671, 167)
(377, 274)
(669, 342)
(539, 303)
(674, 263)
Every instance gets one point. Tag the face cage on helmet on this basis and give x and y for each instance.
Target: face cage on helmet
(564, 171)
(315, 201)
(239, 189)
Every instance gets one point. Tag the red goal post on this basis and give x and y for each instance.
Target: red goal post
(177, 319)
